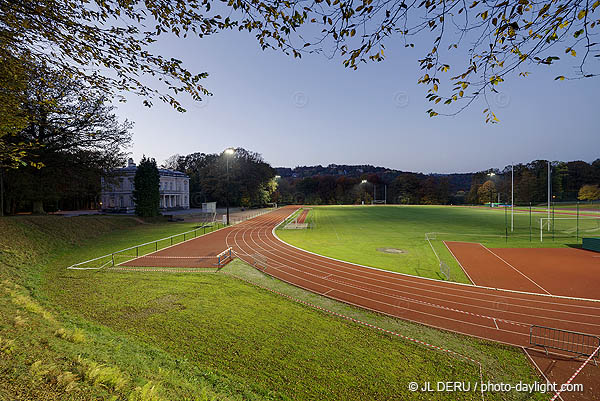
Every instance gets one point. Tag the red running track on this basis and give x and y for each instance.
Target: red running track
(486, 313)
(497, 315)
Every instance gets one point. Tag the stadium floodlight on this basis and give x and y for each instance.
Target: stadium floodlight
(228, 152)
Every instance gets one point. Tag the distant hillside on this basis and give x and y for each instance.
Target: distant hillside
(458, 181)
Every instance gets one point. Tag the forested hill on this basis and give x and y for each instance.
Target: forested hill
(458, 181)
(341, 184)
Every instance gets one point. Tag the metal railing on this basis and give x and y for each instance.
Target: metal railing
(580, 344)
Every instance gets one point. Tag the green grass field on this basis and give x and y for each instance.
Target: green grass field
(80, 335)
(353, 234)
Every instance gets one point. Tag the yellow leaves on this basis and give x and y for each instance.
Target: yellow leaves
(581, 14)
(565, 24)
(573, 53)
(484, 15)
(461, 93)
(464, 85)
(595, 5)
(435, 88)
(496, 79)
(490, 117)
(560, 78)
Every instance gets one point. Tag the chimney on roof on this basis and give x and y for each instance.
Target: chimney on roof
(130, 163)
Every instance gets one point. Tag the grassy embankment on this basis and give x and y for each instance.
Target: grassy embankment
(134, 336)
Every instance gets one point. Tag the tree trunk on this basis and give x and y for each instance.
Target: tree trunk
(1, 192)
(38, 207)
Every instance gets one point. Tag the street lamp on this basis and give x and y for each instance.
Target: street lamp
(228, 152)
(491, 193)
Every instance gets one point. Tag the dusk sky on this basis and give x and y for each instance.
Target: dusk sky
(314, 111)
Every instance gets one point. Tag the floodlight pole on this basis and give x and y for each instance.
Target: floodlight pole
(512, 197)
(385, 193)
(228, 151)
(227, 191)
(549, 190)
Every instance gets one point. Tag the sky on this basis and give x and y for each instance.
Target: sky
(312, 110)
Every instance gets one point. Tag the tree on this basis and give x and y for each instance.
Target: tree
(14, 80)
(250, 177)
(487, 192)
(525, 187)
(589, 193)
(77, 136)
(105, 42)
(146, 194)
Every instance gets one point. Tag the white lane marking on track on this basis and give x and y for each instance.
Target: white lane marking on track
(282, 248)
(460, 264)
(517, 270)
(538, 368)
(344, 292)
(287, 257)
(496, 323)
(426, 281)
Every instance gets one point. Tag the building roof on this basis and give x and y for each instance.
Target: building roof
(132, 167)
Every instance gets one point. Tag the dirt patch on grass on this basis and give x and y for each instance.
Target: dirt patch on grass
(391, 250)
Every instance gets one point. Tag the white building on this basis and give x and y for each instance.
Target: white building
(117, 193)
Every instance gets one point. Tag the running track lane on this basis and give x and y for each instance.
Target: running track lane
(486, 313)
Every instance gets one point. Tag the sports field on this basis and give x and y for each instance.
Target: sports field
(355, 233)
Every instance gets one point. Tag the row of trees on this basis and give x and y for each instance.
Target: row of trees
(531, 182)
(242, 178)
(570, 181)
(407, 188)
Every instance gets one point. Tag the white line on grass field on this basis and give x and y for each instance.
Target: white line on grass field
(517, 270)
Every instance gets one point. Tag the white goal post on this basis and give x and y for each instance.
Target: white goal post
(569, 226)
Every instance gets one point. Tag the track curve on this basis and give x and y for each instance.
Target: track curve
(481, 312)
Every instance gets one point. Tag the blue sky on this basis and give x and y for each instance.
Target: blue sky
(313, 111)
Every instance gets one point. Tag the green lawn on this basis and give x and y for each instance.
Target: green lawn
(353, 233)
(79, 335)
